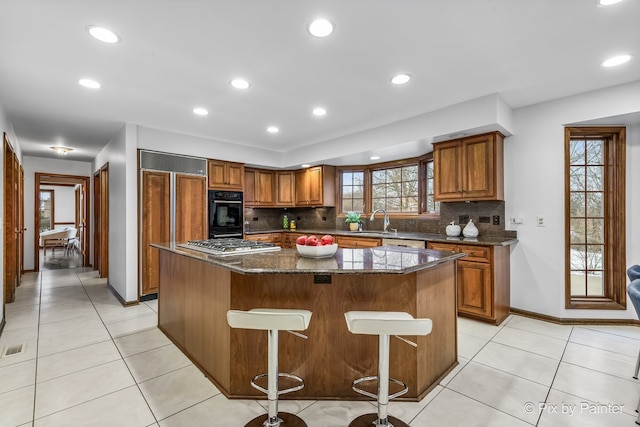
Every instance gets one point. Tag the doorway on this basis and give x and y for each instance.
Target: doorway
(61, 201)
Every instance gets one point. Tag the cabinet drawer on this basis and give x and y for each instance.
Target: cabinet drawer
(476, 253)
(358, 242)
(260, 237)
(442, 247)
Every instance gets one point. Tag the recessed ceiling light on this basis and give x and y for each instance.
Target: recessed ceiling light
(400, 79)
(305, 165)
(200, 111)
(319, 111)
(103, 34)
(273, 129)
(321, 27)
(91, 84)
(240, 83)
(607, 2)
(374, 158)
(616, 60)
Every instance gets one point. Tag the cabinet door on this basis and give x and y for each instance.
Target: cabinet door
(316, 188)
(191, 208)
(447, 168)
(264, 187)
(235, 175)
(285, 188)
(302, 187)
(478, 167)
(217, 174)
(250, 196)
(155, 225)
(474, 288)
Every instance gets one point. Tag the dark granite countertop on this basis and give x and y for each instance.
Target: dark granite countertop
(427, 237)
(380, 260)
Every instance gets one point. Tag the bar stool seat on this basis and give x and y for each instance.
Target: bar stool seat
(384, 324)
(273, 320)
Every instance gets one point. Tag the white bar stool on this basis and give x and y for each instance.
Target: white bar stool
(384, 324)
(273, 320)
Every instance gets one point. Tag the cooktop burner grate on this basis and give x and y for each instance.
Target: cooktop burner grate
(229, 246)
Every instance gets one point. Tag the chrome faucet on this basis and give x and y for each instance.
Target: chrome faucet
(386, 219)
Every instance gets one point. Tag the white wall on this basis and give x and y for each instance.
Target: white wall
(534, 185)
(121, 155)
(44, 165)
(64, 203)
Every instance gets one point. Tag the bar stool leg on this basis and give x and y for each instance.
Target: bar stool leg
(383, 380)
(272, 387)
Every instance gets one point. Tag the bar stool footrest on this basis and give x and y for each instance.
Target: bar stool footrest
(286, 419)
(368, 420)
(405, 388)
(280, 374)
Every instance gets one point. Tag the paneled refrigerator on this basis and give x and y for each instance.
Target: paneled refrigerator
(172, 207)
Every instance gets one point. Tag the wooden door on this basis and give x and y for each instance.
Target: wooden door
(156, 224)
(250, 194)
(447, 168)
(474, 288)
(21, 226)
(285, 188)
(10, 224)
(191, 208)
(96, 221)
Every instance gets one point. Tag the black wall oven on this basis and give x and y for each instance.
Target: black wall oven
(225, 214)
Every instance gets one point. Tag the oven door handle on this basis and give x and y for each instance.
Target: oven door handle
(215, 236)
(228, 201)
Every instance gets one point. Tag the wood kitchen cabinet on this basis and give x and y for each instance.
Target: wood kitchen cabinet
(285, 188)
(483, 280)
(225, 175)
(265, 237)
(289, 240)
(470, 168)
(315, 186)
(348, 242)
(259, 187)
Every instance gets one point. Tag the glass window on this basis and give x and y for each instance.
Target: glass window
(46, 210)
(433, 207)
(395, 189)
(352, 191)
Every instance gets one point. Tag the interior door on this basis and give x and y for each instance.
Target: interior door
(10, 224)
(104, 221)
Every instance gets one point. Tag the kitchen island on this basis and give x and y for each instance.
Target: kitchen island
(196, 290)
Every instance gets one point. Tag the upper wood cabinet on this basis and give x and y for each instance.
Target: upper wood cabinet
(285, 188)
(259, 186)
(316, 186)
(470, 168)
(225, 175)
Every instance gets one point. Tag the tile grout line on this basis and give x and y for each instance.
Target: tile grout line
(35, 373)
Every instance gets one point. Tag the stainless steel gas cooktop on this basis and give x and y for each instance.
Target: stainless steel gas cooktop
(224, 247)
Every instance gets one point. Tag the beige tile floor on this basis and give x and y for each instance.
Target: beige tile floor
(88, 361)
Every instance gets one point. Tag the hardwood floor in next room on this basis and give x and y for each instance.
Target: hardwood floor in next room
(88, 361)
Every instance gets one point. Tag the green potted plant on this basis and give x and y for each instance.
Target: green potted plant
(354, 220)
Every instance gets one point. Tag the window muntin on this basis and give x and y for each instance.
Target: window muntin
(395, 189)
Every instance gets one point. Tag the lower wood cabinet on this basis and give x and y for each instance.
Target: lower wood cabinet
(265, 237)
(349, 242)
(483, 280)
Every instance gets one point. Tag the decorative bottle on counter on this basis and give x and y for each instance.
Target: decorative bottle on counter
(470, 230)
(285, 222)
(292, 226)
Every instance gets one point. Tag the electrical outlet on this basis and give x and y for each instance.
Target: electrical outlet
(324, 218)
(540, 221)
(463, 219)
(255, 218)
(484, 219)
(496, 220)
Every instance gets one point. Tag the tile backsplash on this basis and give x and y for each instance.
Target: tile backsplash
(325, 218)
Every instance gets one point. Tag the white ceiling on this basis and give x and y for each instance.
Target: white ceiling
(176, 55)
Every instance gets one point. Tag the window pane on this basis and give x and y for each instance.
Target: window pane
(595, 285)
(576, 203)
(595, 230)
(577, 152)
(393, 190)
(595, 152)
(410, 204)
(595, 181)
(352, 191)
(595, 204)
(410, 173)
(347, 205)
(578, 283)
(594, 257)
(577, 231)
(577, 178)
(578, 257)
(378, 177)
(378, 204)
(358, 205)
(393, 204)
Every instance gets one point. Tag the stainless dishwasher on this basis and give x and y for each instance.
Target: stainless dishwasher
(404, 243)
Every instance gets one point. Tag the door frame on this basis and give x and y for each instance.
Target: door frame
(101, 221)
(61, 179)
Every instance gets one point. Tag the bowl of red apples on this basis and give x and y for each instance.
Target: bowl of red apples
(312, 247)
